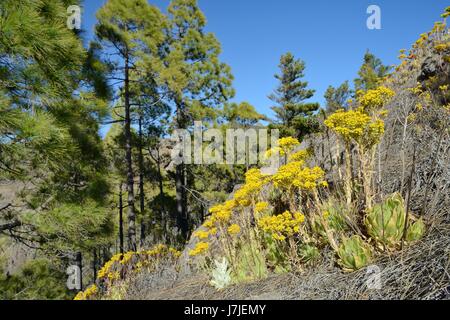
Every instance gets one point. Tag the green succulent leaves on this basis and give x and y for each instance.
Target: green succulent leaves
(354, 253)
(385, 223)
(415, 231)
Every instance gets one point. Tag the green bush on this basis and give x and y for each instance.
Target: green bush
(38, 279)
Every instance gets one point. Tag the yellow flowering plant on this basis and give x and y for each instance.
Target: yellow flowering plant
(294, 176)
(287, 144)
(221, 213)
(254, 181)
(121, 264)
(201, 234)
(237, 215)
(261, 206)
(200, 248)
(88, 294)
(364, 127)
(350, 125)
(284, 147)
(282, 226)
(376, 98)
(301, 155)
(234, 229)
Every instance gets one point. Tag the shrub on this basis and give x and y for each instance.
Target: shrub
(38, 279)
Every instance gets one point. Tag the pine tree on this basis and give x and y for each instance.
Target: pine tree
(196, 79)
(132, 30)
(294, 117)
(337, 98)
(242, 115)
(370, 73)
(49, 140)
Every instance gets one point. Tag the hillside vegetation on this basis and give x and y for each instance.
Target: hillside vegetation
(358, 207)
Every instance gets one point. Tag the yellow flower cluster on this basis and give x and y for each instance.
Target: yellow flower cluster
(221, 213)
(375, 132)
(348, 124)
(375, 98)
(176, 253)
(261, 206)
(200, 248)
(293, 175)
(446, 13)
(159, 249)
(285, 145)
(234, 229)
(201, 234)
(356, 125)
(209, 223)
(282, 226)
(106, 269)
(254, 181)
(420, 42)
(127, 257)
(301, 155)
(417, 90)
(88, 293)
(143, 257)
(438, 27)
(441, 47)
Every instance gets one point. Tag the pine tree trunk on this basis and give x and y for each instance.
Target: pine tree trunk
(94, 263)
(141, 184)
(180, 180)
(121, 221)
(161, 191)
(129, 161)
(181, 200)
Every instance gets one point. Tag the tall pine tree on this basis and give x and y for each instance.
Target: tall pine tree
(370, 73)
(131, 32)
(196, 79)
(294, 116)
(337, 98)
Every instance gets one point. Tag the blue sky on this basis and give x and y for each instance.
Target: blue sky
(329, 35)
